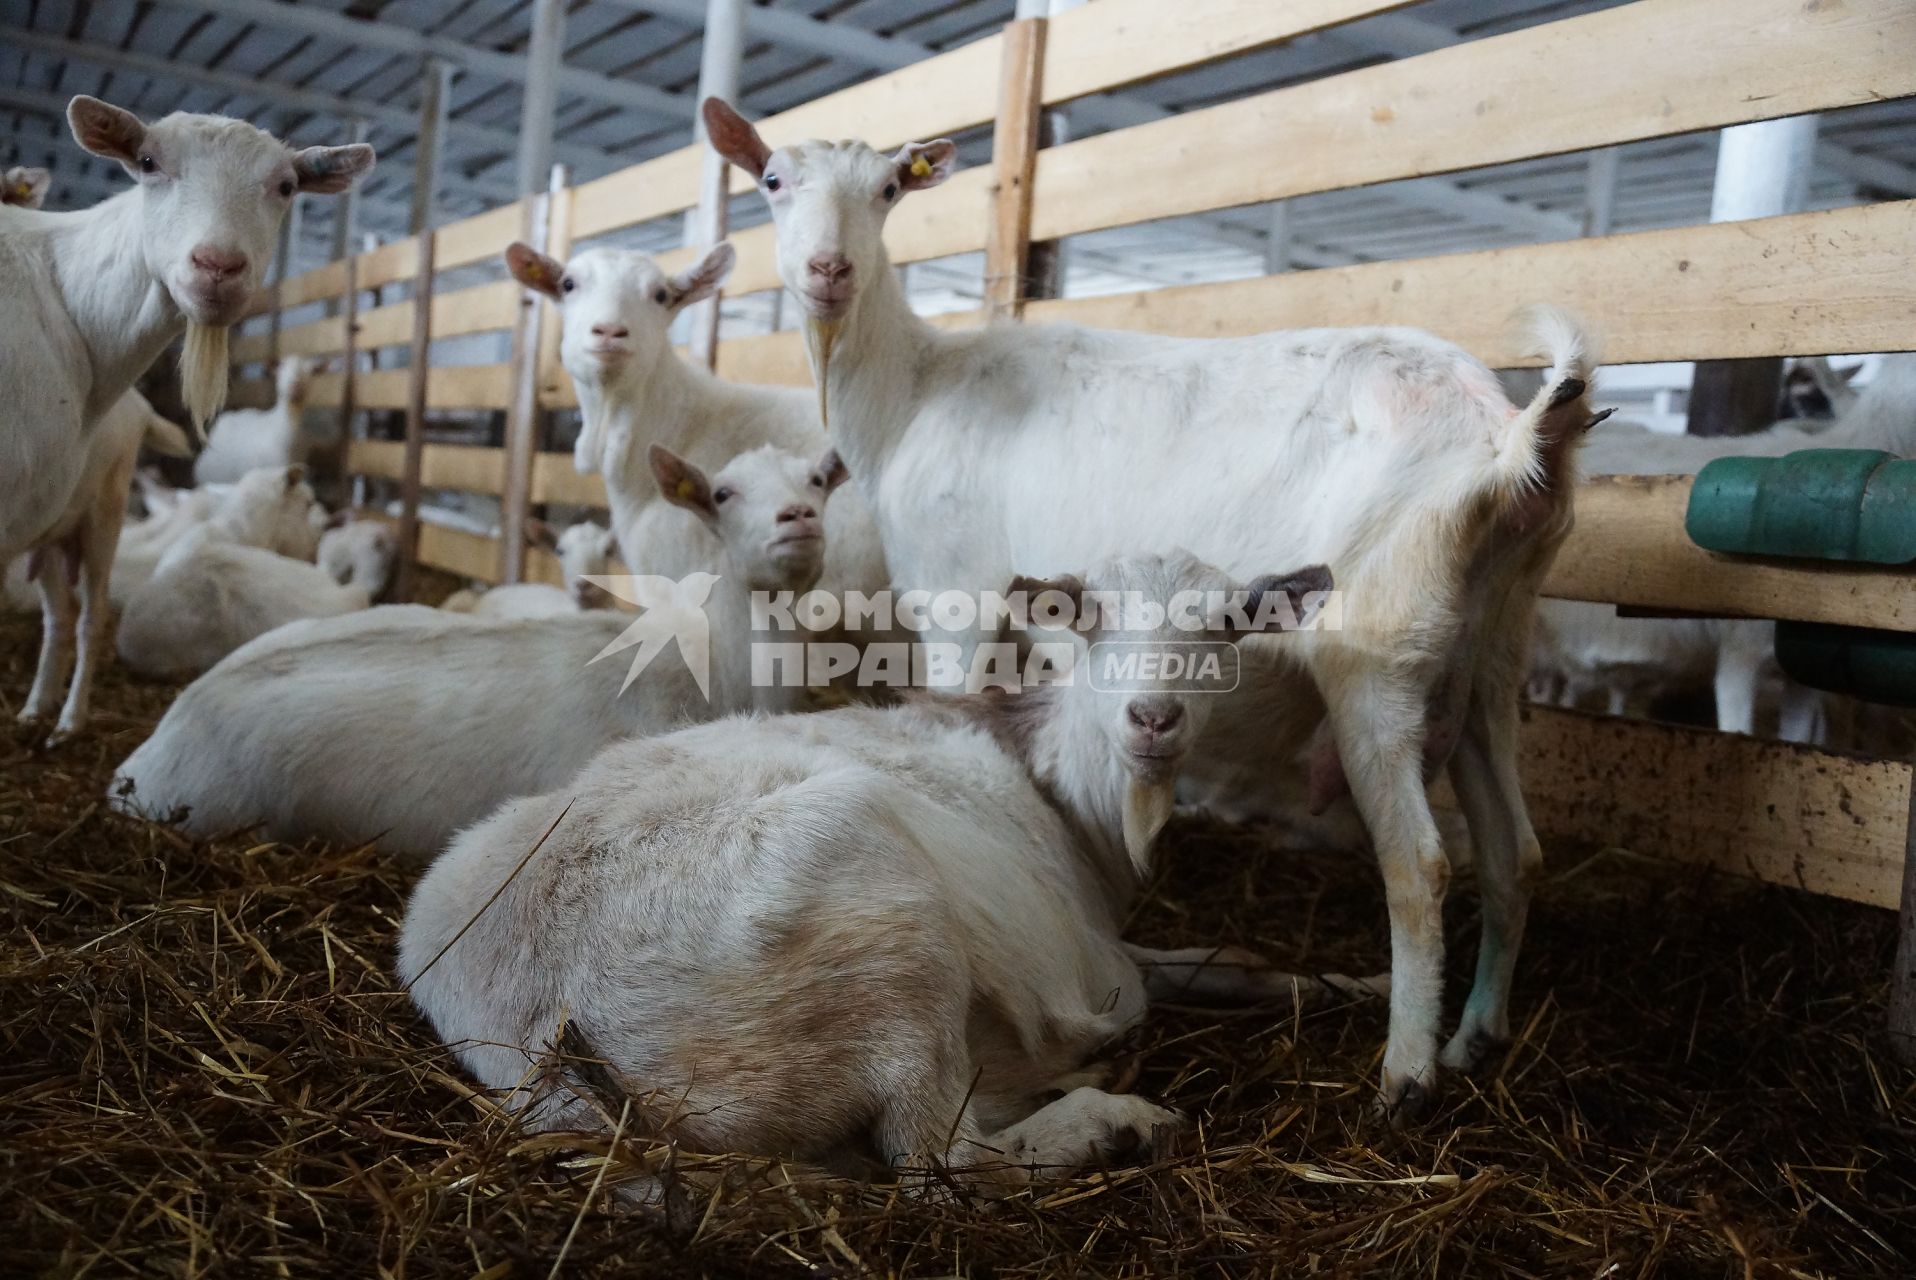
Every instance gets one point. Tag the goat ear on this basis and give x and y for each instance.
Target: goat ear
(1282, 601)
(733, 137)
(923, 165)
(541, 534)
(327, 171)
(702, 279)
(106, 130)
(681, 483)
(26, 188)
(340, 518)
(295, 476)
(832, 469)
(534, 270)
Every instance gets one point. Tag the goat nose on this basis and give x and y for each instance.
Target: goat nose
(1156, 718)
(830, 266)
(797, 511)
(610, 331)
(218, 262)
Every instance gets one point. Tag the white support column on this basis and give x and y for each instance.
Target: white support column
(1763, 169)
(1600, 191)
(540, 103)
(346, 217)
(720, 56)
(429, 152)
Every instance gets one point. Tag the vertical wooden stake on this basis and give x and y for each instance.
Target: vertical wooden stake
(522, 413)
(1902, 985)
(349, 368)
(409, 479)
(1014, 160)
(559, 248)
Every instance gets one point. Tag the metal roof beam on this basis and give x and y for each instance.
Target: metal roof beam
(510, 67)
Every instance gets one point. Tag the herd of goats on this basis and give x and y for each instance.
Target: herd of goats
(869, 924)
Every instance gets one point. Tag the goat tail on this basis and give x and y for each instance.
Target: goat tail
(164, 437)
(1541, 439)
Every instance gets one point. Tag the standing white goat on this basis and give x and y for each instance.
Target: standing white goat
(1585, 648)
(211, 595)
(615, 308)
(1386, 453)
(404, 724)
(79, 551)
(880, 933)
(94, 296)
(241, 440)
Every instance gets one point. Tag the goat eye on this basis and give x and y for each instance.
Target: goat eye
(721, 495)
(147, 165)
(659, 297)
(286, 186)
(772, 182)
(567, 285)
(891, 191)
(818, 481)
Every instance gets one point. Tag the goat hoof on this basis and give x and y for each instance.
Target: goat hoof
(1411, 1103)
(1467, 1052)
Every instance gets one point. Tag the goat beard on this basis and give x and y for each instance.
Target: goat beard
(819, 337)
(203, 373)
(1147, 807)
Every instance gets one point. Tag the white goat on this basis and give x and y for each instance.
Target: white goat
(211, 595)
(23, 187)
(242, 440)
(272, 508)
(1585, 648)
(634, 391)
(405, 724)
(880, 933)
(94, 296)
(79, 551)
(584, 550)
(1386, 453)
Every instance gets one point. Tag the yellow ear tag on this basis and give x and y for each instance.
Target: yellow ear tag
(687, 488)
(920, 167)
(536, 272)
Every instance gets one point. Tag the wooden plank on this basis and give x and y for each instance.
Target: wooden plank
(1534, 92)
(480, 308)
(389, 263)
(1629, 548)
(250, 348)
(349, 362)
(1014, 156)
(484, 235)
(1114, 43)
(474, 555)
(328, 281)
(778, 359)
(472, 468)
(939, 95)
(1779, 812)
(1836, 281)
(323, 337)
(459, 386)
(556, 481)
(417, 376)
(1902, 983)
(251, 393)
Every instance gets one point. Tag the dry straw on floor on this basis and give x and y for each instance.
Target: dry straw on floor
(205, 1070)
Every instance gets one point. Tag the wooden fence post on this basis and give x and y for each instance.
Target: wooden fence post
(1014, 159)
(552, 377)
(349, 368)
(1902, 981)
(409, 480)
(522, 415)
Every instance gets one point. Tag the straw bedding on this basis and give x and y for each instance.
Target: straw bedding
(206, 1070)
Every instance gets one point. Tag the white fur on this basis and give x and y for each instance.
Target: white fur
(92, 297)
(869, 932)
(211, 595)
(1385, 453)
(79, 551)
(405, 724)
(241, 440)
(634, 391)
(584, 550)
